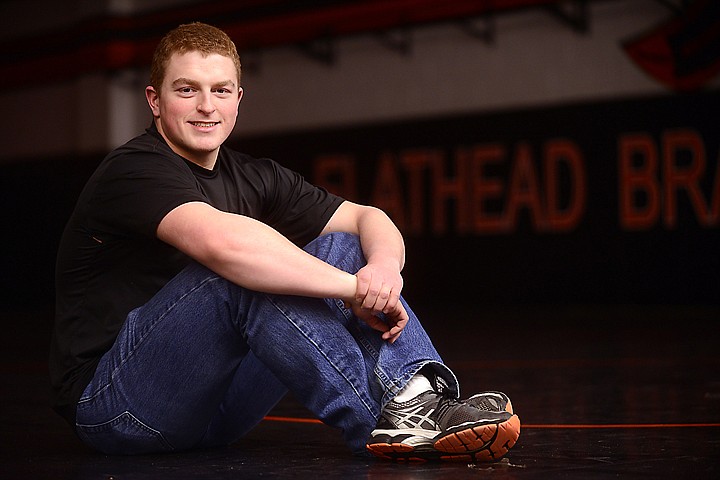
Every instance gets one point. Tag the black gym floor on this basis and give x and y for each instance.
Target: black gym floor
(607, 391)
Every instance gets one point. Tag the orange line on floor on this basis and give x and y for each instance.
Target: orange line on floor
(271, 418)
(292, 419)
(621, 425)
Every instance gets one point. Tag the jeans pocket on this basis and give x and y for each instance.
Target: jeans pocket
(124, 435)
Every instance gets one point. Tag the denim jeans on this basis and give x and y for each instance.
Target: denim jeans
(205, 360)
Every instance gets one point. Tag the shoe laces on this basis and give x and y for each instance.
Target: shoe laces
(445, 404)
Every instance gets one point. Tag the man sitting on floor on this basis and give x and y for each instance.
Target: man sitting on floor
(196, 285)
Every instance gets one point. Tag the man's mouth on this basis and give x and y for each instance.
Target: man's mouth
(204, 124)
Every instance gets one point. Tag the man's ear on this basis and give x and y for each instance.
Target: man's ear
(153, 98)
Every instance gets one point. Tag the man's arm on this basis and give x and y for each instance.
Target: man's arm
(255, 256)
(251, 254)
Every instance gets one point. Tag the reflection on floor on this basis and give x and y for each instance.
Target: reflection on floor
(602, 392)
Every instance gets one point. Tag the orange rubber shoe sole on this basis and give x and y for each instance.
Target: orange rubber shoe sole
(484, 443)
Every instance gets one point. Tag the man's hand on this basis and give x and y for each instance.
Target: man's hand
(391, 327)
(378, 291)
(379, 287)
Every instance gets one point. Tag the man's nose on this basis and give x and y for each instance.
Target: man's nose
(205, 104)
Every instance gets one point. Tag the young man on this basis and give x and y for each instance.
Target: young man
(197, 285)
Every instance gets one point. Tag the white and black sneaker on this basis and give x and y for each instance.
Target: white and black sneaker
(435, 426)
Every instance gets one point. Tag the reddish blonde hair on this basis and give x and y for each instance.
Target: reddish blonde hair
(191, 37)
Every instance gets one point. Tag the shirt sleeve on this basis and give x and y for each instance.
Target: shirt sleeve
(298, 209)
(135, 190)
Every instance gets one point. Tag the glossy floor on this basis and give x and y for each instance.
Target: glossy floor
(602, 392)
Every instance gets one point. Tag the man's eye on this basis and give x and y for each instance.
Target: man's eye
(222, 91)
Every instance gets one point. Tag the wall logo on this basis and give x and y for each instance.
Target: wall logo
(683, 53)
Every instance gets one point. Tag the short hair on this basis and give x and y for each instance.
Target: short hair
(191, 37)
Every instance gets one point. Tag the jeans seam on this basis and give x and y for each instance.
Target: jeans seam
(359, 337)
(115, 419)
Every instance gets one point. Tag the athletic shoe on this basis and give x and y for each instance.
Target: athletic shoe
(434, 426)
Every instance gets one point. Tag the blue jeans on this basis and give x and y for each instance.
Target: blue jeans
(205, 360)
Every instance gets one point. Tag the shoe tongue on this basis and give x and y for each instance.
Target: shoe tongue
(438, 383)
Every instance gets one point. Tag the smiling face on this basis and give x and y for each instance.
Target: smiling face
(196, 108)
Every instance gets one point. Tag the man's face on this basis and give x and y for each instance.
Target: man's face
(197, 107)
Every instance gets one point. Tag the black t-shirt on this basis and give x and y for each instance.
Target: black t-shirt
(110, 260)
